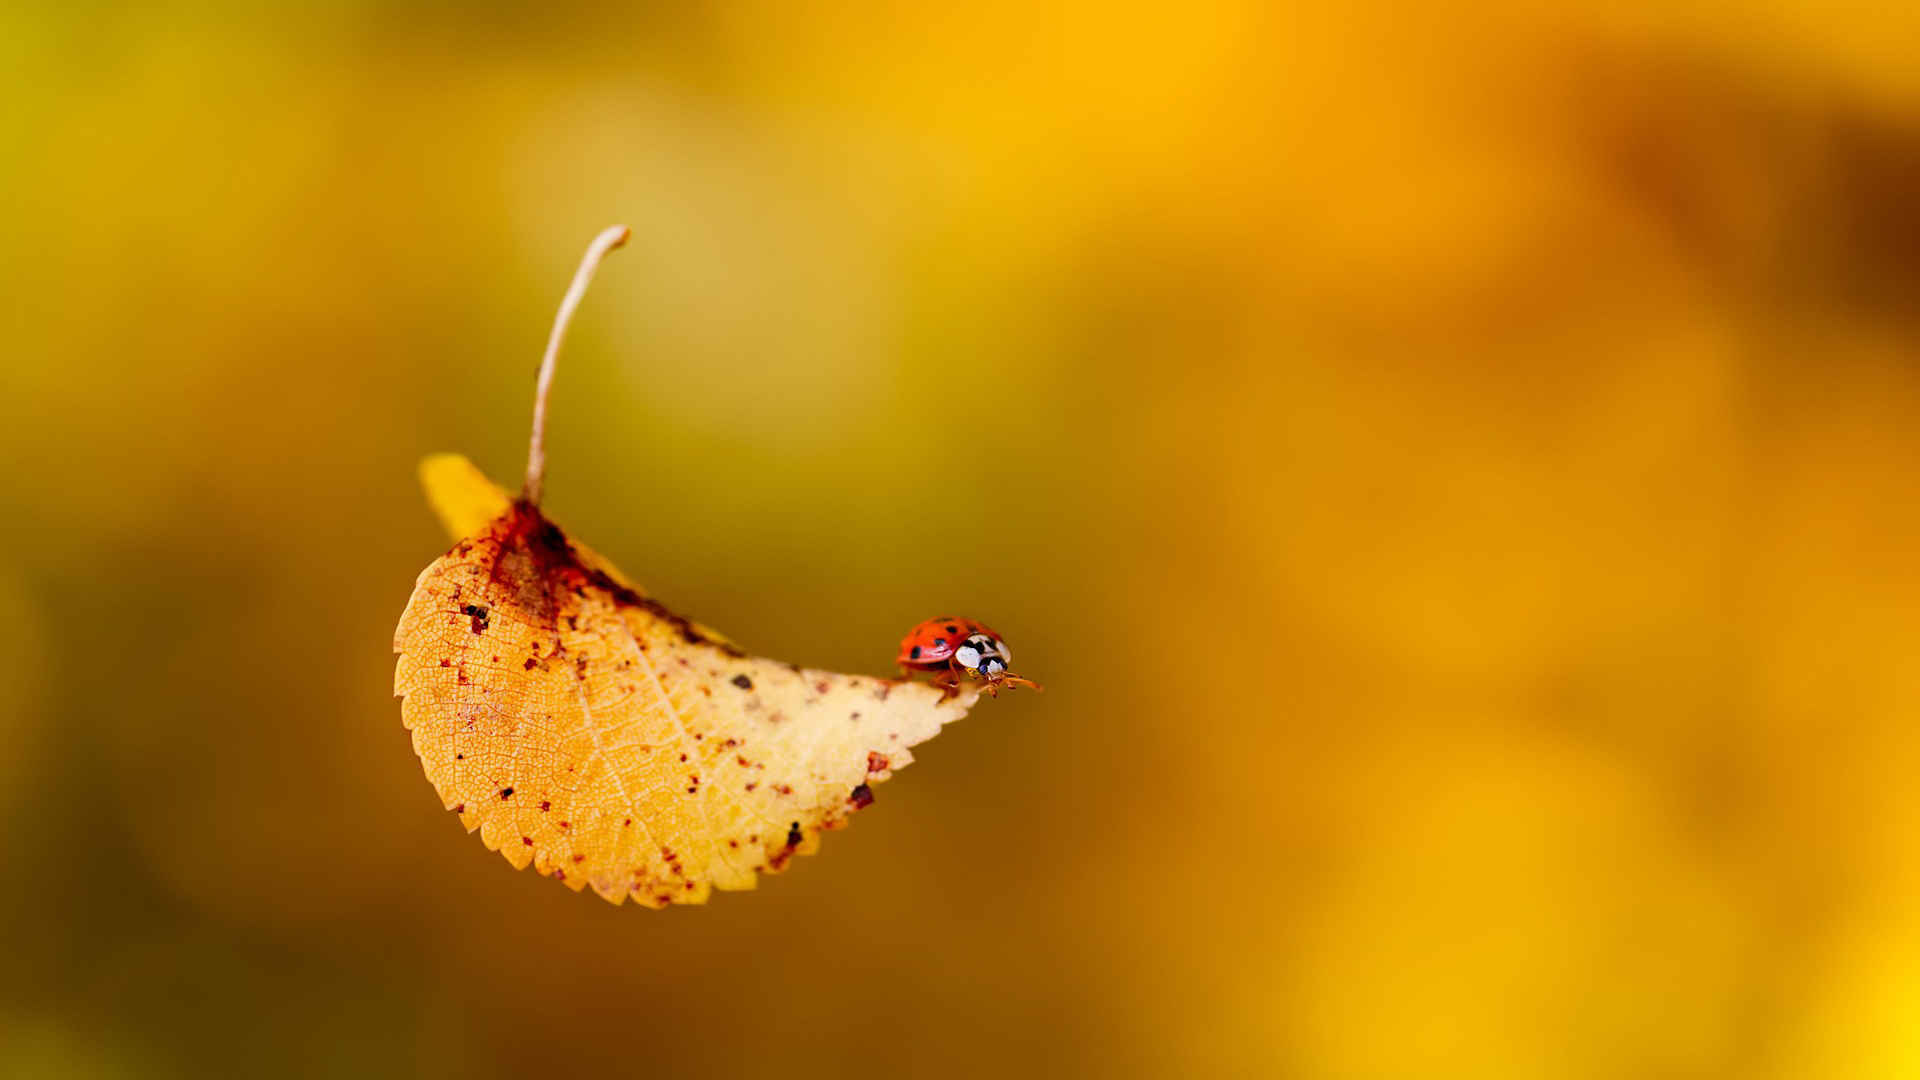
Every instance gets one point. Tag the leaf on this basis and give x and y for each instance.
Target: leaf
(461, 495)
(585, 729)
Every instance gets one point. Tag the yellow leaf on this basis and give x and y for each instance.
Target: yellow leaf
(460, 494)
(586, 730)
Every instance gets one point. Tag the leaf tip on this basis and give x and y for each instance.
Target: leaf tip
(460, 494)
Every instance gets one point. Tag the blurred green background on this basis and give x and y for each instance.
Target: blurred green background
(1453, 467)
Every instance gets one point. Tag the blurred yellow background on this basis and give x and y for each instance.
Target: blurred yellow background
(1453, 467)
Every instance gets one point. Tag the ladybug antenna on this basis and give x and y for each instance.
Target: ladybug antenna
(609, 238)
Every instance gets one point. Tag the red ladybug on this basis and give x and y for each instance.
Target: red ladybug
(956, 648)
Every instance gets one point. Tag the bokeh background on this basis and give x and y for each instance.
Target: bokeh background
(1453, 467)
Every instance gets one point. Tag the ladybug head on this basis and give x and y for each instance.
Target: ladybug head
(983, 656)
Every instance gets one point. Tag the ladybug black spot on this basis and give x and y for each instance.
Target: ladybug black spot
(953, 629)
(916, 652)
(940, 642)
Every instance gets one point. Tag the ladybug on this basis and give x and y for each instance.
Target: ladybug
(956, 648)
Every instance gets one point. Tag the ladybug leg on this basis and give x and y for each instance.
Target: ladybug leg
(1011, 681)
(949, 683)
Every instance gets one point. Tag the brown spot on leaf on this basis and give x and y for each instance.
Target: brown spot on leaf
(555, 561)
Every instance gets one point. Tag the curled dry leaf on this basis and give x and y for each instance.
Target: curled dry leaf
(585, 729)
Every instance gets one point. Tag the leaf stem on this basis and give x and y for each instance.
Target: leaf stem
(609, 238)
